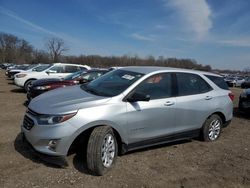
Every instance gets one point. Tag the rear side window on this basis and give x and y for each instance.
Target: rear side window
(191, 84)
(71, 69)
(219, 81)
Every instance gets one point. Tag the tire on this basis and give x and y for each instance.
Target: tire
(97, 159)
(26, 85)
(211, 129)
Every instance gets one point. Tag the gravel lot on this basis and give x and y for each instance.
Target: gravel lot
(224, 163)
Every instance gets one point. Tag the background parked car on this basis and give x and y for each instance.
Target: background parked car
(19, 67)
(246, 83)
(12, 72)
(43, 85)
(244, 100)
(230, 81)
(57, 70)
(238, 81)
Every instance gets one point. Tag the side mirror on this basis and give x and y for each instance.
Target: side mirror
(50, 71)
(83, 81)
(136, 96)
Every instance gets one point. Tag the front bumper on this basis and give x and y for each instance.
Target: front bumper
(41, 136)
(55, 160)
(19, 81)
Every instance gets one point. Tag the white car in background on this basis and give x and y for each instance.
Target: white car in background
(238, 81)
(57, 70)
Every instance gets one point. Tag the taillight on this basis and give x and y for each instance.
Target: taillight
(231, 96)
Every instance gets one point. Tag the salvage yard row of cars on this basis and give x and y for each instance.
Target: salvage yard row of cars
(102, 113)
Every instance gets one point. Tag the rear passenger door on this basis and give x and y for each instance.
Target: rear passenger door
(193, 101)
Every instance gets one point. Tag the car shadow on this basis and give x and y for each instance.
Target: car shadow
(18, 90)
(80, 164)
(23, 147)
(241, 114)
(11, 83)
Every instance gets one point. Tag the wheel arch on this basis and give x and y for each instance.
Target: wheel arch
(30, 79)
(82, 139)
(221, 115)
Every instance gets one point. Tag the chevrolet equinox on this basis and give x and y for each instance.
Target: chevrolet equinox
(127, 109)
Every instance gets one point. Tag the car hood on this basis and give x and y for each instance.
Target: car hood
(16, 70)
(65, 100)
(42, 82)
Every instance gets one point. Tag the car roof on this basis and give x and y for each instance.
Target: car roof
(151, 69)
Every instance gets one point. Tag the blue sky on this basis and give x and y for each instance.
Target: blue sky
(214, 32)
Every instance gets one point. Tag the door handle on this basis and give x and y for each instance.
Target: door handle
(169, 103)
(208, 98)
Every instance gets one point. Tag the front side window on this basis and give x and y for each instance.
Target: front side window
(92, 75)
(112, 83)
(157, 86)
(191, 84)
(57, 69)
(73, 76)
(41, 68)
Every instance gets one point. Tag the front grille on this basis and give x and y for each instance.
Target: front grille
(28, 123)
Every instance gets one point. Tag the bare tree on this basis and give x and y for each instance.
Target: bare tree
(56, 47)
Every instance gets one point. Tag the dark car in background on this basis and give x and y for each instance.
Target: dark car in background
(15, 69)
(42, 85)
(244, 100)
(246, 83)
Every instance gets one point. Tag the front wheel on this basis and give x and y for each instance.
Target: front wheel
(102, 150)
(27, 85)
(212, 128)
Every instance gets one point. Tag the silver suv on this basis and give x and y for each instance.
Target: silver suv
(127, 109)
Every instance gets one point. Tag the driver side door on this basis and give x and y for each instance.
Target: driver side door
(154, 119)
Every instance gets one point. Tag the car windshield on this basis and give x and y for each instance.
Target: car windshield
(30, 67)
(42, 68)
(112, 83)
(21, 67)
(73, 75)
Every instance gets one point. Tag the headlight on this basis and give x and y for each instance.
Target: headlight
(54, 119)
(42, 87)
(21, 75)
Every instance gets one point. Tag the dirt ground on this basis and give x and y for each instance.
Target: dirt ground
(224, 163)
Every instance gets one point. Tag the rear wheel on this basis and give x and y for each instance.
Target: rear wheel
(212, 128)
(101, 150)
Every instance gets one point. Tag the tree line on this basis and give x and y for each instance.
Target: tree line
(19, 51)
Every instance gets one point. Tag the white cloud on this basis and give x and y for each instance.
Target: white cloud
(195, 13)
(240, 42)
(143, 38)
(36, 27)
